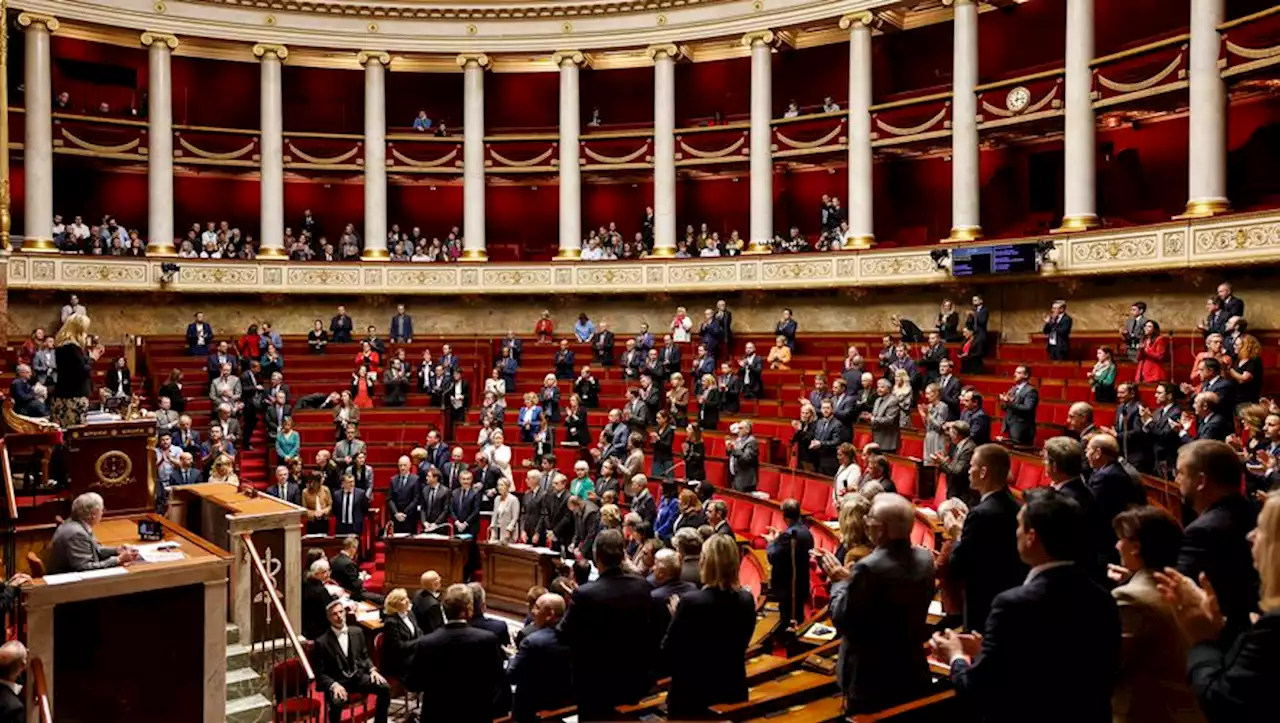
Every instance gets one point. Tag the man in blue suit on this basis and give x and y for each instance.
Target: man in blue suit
(404, 498)
(199, 336)
(788, 553)
(543, 665)
(401, 326)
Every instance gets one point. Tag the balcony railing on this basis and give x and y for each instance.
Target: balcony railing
(1249, 42)
(276, 647)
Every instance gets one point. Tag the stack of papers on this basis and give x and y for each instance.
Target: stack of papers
(161, 552)
(66, 577)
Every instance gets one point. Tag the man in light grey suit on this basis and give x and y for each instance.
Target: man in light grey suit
(166, 418)
(1132, 330)
(744, 457)
(75, 549)
(886, 418)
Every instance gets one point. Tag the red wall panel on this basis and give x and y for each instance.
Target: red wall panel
(216, 93)
(799, 195)
(521, 100)
(203, 198)
(920, 210)
(704, 88)
(723, 203)
(82, 188)
(323, 100)
(1022, 38)
(433, 208)
(439, 94)
(86, 94)
(1146, 176)
(805, 76)
(621, 203)
(624, 96)
(335, 202)
(525, 216)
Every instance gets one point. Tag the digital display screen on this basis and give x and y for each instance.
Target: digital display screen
(990, 260)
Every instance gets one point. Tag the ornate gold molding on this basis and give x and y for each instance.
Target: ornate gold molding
(26, 20)
(151, 36)
(764, 36)
(864, 19)
(480, 59)
(260, 50)
(365, 56)
(671, 50)
(576, 57)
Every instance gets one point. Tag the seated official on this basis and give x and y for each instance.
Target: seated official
(75, 549)
(22, 390)
(426, 604)
(461, 664)
(315, 599)
(342, 666)
(400, 634)
(543, 665)
(346, 571)
(13, 661)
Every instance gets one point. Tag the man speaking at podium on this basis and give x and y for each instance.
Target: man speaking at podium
(75, 549)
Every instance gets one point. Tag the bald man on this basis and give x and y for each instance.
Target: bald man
(426, 604)
(404, 499)
(1114, 491)
(13, 660)
(543, 665)
(880, 608)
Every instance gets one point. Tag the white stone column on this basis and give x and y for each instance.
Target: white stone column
(761, 232)
(965, 179)
(271, 152)
(375, 154)
(473, 220)
(1080, 207)
(160, 143)
(860, 202)
(570, 63)
(37, 148)
(1208, 142)
(664, 149)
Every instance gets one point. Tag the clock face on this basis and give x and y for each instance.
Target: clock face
(1018, 99)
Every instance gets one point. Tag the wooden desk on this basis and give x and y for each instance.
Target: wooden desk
(162, 622)
(510, 571)
(408, 557)
(220, 513)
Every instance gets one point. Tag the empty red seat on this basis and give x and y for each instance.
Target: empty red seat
(768, 481)
(904, 478)
(922, 535)
(792, 488)
(816, 494)
(1029, 477)
(740, 516)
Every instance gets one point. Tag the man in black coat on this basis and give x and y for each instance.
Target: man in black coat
(602, 345)
(340, 326)
(315, 600)
(1216, 543)
(461, 665)
(543, 665)
(426, 608)
(342, 666)
(642, 502)
(1157, 425)
(788, 553)
(880, 608)
(434, 502)
(1209, 420)
(602, 678)
(346, 571)
(1135, 443)
(404, 498)
(949, 388)
(464, 508)
(1114, 491)
(350, 506)
(828, 435)
(586, 524)
(1057, 327)
(973, 413)
(558, 519)
(1068, 472)
(985, 557)
(13, 661)
(1020, 404)
(1058, 605)
(283, 489)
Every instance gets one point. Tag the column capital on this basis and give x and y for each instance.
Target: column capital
(957, 3)
(671, 50)
(28, 19)
(480, 59)
(576, 57)
(262, 49)
(364, 57)
(854, 20)
(151, 37)
(760, 36)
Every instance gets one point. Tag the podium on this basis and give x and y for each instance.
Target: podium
(221, 513)
(138, 644)
(116, 460)
(408, 557)
(510, 570)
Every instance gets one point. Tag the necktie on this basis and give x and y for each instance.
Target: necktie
(347, 507)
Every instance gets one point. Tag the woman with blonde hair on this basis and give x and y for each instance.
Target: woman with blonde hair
(345, 414)
(678, 400)
(529, 418)
(904, 392)
(400, 633)
(691, 514)
(505, 526)
(780, 355)
(223, 472)
(1246, 372)
(1234, 680)
(855, 541)
(1213, 349)
(499, 454)
(934, 413)
(610, 517)
(75, 354)
(709, 634)
(709, 403)
(549, 399)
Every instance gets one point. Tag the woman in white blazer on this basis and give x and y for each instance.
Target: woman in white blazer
(505, 525)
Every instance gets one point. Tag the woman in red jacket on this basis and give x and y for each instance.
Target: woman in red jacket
(545, 328)
(248, 346)
(1153, 354)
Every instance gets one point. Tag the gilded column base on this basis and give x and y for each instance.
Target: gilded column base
(272, 253)
(859, 243)
(39, 246)
(473, 255)
(1075, 224)
(568, 255)
(663, 252)
(161, 251)
(756, 249)
(1205, 208)
(960, 234)
(375, 255)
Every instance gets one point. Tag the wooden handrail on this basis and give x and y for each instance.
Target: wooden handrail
(904, 708)
(40, 692)
(1249, 18)
(275, 602)
(1139, 50)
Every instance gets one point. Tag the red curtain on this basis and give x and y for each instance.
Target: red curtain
(702, 89)
(216, 93)
(524, 101)
(322, 100)
(621, 203)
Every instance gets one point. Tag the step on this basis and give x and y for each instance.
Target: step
(233, 634)
(237, 656)
(250, 709)
(243, 682)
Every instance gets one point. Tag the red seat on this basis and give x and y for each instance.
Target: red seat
(761, 520)
(291, 693)
(816, 494)
(922, 535)
(1029, 477)
(768, 481)
(904, 478)
(792, 488)
(911, 447)
(739, 515)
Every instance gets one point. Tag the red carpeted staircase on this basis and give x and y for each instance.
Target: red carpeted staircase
(253, 464)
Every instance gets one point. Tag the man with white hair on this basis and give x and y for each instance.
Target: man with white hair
(1080, 421)
(404, 499)
(22, 392)
(284, 489)
(315, 598)
(13, 660)
(75, 549)
(744, 457)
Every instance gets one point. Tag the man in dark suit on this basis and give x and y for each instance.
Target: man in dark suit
(717, 514)
(603, 679)
(22, 392)
(1058, 604)
(464, 507)
(427, 612)
(1114, 491)
(350, 506)
(451, 474)
(602, 345)
(668, 581)
(670, 356)
(885, 417)
(1068, 472)
(1209, 419)
(1020, 404)
(1232, 305)
(949, 388)
(315, 600)
(973, 413)
(642, 502)
(404, 498)
(74, 547)
(1157, 424)
(1216, 543)
(1211, 380)
(434, 502)
(401, 326)
(340, 326)
(564, 361)
(586, 525)
(880, 609)
(1057, 327)
(282, 489)
(199, 336)
(346, 571)
(342, 666)
(744, 457)
(1135, 443)
(931, 357)
(213, 365)
(788, 552)
(460, 662)
(828, 435)
(13, 661)
(955, 463)
(845, 406)
(985, 557)
(558, 519)
(437, 451)
(277, 410)
(533, 512)
(543, 664)
(253, 397)
(752, 366)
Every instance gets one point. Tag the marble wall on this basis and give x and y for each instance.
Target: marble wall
(1017, 309)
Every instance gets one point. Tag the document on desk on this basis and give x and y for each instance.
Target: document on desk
(161, 552)
(66, 577)
(431, 536)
